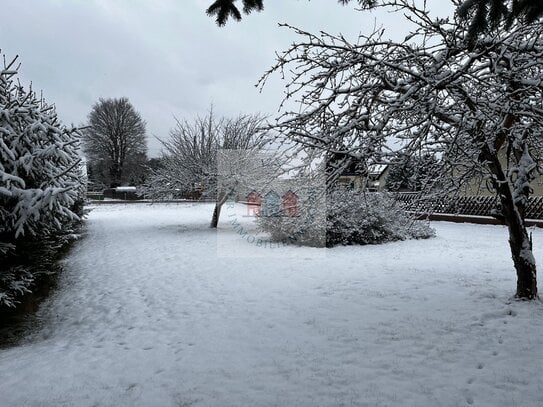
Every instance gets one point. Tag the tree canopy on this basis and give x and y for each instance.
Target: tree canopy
(485, 14)
(482, 14)
(222, 10)
(210, 156)
(477, 108)
(114, 142)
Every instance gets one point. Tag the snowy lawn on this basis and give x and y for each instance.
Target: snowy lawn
(148, 314)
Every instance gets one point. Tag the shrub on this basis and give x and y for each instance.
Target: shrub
(349, 217)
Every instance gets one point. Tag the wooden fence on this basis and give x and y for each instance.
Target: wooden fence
(464, 205)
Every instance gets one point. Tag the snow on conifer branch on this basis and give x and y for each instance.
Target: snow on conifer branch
(41, 180)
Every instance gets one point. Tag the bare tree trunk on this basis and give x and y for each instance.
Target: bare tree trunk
(222, 197)
(519, 240)
(216, 214)
(521, 250)
(115, 173)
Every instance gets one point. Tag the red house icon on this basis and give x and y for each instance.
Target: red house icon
(254, 203)
(290, 204)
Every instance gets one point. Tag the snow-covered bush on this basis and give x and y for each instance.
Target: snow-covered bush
(370, 218)
(41, 188)
(349, 217)
(308, 228)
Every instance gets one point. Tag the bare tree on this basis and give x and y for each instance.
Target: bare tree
(212, 155)
(469, 103)
(114, 142)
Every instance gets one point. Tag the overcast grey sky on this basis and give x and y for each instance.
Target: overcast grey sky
(166, 56)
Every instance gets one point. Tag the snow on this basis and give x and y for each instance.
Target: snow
(148, 314)
(125, 189)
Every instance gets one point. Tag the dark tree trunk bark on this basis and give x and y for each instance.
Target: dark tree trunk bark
(115, 173)
(519, 240)
(521, 250)
(217, 211)
(216, 214)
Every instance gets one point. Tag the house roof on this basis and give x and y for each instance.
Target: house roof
(377, 169)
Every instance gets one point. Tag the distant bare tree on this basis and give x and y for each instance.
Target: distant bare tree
(114, 142)
(196, 157)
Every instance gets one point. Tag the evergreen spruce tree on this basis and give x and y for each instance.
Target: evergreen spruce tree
(41, 180)
(411, 172)
(224, 9)
(485, 14)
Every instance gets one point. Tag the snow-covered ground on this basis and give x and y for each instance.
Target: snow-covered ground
(150, 313)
